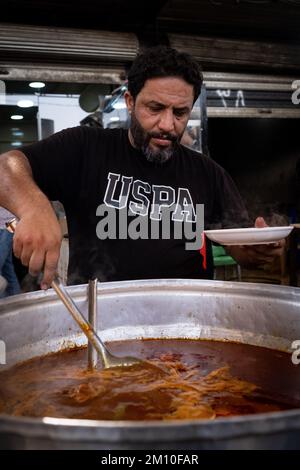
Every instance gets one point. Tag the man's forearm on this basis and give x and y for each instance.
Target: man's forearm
(18, 191)
(37, 237)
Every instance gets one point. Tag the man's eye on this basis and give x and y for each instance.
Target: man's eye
(179, 113)
(155, 109)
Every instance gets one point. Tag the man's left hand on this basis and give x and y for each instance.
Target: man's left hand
(257, 255)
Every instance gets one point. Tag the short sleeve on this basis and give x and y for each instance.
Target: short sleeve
(56, 162)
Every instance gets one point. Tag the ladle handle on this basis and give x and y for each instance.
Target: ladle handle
(80, 320)
(92, 318)
(74, 310)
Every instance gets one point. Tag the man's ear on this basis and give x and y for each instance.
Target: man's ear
(129, 101)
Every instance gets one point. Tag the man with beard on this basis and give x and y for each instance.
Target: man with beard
(135, 175)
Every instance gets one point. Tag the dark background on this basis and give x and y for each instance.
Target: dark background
(276, 20)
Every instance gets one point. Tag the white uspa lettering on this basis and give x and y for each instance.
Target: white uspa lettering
(296, 353)
(296, 94)
(2, 352)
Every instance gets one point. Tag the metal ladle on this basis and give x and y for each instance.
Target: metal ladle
(108, 359)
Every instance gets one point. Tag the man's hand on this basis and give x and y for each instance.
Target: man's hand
(37, 237)
(257, 255)
(37, 243)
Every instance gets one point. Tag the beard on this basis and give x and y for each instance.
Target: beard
(142, 139)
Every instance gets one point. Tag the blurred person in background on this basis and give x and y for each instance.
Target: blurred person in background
(9, 284)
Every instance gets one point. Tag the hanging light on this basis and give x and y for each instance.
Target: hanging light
(16, 117)
(25, 103)
(18, 133)
(37, 84)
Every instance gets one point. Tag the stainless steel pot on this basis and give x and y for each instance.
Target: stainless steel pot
(37, 323)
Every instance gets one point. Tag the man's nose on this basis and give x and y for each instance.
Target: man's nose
(166, 122)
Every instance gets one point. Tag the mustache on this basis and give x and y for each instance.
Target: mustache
(166, 136)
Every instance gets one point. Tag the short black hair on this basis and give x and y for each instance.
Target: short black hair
(163, 61)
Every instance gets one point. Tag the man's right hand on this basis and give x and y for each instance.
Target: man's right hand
(37, 242)
(37, 236)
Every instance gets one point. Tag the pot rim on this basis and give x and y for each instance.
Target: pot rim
(111, 431)
(275, 291)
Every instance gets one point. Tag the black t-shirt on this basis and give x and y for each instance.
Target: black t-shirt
(82, 167)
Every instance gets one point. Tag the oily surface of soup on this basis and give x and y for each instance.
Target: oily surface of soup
(195, 380)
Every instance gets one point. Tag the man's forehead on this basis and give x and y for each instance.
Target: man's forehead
(165, 89)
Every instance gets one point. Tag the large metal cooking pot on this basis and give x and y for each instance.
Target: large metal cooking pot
(37, 323)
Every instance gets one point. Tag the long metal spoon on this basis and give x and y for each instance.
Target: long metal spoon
(93, 319)
(108, 359)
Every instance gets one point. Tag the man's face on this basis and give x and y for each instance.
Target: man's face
(159, 115)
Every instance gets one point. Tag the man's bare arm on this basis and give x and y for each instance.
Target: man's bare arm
(38, 236)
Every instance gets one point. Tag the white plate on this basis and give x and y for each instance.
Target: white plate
(248, 236)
